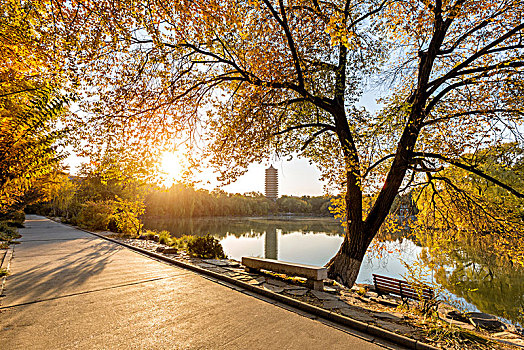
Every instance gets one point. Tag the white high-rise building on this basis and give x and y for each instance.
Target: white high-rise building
(272, 183)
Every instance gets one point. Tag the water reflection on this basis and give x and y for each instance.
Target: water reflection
(271, 243)
(242, 227)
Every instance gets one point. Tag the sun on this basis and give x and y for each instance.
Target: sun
(173, 165)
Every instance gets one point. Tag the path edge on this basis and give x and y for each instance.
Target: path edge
(5, 264)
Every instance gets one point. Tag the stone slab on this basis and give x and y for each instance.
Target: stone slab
(297, 292)
(277, 282)
(333, 304)
(272, 288)
(324, 296)
(357, 315)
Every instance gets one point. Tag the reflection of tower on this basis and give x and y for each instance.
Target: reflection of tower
(271, 183)
(271, 244)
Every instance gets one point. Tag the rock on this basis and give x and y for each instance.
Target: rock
(160, 249)
(323, 296)
(485, 321)
(245, 278)
(297, 292)
(232, 274)
(260, 279)
(216, 269)
(385, 316)
(357, 315)
(273, 288)
(233, 263)
(334, 304)
(330, 289)
(395, 327)
(170, 250)
(277, 282)
(155, 238)
(204, 265)
(216, 262)
(254, 282)
(294, 287)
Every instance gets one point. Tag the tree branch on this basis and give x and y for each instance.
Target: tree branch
(374, 165)
(302, 126)
(471, 169)
(283, 23)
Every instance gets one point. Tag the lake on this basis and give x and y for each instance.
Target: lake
(469, 277)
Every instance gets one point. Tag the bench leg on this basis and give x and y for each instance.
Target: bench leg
(316, 285)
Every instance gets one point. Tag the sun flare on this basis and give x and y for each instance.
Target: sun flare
(173, 166)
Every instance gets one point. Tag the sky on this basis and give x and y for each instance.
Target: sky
(296, 177)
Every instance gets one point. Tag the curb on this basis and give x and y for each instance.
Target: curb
(4, 264)
(314, 310)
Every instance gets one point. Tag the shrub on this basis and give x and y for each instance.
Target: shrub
(8, 233)
(180, 243)
(15, 219)
(3, 272)
(126, 217)
(117, 216)
(205, 247)
(164, 238)
(149, 234)
(95, 215)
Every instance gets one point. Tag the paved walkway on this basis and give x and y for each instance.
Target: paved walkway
(71, 290)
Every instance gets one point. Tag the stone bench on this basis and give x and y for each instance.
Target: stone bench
(315, 275)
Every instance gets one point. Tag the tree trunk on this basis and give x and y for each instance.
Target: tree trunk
(345, 265)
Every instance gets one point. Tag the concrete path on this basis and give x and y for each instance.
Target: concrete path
(71, 290)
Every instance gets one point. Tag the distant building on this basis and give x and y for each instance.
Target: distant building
(271, 183)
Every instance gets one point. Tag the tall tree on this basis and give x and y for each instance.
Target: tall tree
(283, 76)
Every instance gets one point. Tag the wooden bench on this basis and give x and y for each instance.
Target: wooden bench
(315, 275)
(404, 289)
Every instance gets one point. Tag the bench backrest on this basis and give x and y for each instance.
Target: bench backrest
(289, 268)
(402, 288)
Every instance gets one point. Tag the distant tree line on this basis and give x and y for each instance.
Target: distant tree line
(181, 201)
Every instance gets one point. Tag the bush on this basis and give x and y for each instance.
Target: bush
(180, 243)
(126, 217)
(164, 238)
(116, 216)
(95, 215)
(205, 247)
(8, 233)
(15, 219)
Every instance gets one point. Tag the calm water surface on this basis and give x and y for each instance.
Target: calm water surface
(469, 279)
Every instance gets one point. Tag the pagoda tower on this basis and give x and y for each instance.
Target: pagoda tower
(271, 183)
